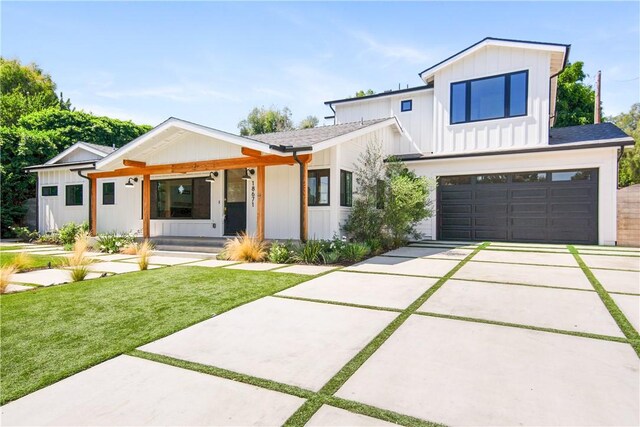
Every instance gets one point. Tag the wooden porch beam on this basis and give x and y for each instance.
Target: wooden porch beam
(261, 202)
(134, 163)
(93, 202)
(251, 152)
(146, 206)
(202, 166)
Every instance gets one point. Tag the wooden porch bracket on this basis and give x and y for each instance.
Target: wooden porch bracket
(146, 206)
(93, 202)
(260, 212)
(134, 163)
(251, 152)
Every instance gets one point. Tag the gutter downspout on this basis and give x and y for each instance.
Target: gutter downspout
(618, 166)
(79, 172)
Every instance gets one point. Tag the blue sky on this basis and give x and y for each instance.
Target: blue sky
(211, 63)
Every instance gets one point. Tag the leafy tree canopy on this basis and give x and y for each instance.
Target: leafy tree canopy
(629, 168)
(262, 120)
(308, 122)
(361, 93)
(576, 100)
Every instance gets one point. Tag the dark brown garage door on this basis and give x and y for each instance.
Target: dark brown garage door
(546, 206)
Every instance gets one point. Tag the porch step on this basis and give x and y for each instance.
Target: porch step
(196, 249)
(189, 244)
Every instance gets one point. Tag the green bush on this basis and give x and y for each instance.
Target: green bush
(310, 252)
(24, 234)
(280, 253)
(113, 242)
(70, 231)
(50, 238)
(354, 252)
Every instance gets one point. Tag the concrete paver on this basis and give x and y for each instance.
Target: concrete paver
(111, 257)
(336, 417)
(256, 266)
(630, 306)
(561, 259)
(423, 252)
(465, 373)
(412, 266)
(614, 262)
(379, 290)
(295, 342)
(567, 277)
(310, 270)
(117, 267)
(132, 391)
(48, 277)
(564, 309)
(550, 249)
(618, 281)
(13, 288)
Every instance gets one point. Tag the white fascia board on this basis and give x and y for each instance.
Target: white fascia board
(75, 147)
(391, 121)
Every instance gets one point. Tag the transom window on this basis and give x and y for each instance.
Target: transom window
(318, 187)
(406, 105)
(108, 193)
(489, 98)
(49, 190)
(346, 188)
(181, 199)
(73, 195)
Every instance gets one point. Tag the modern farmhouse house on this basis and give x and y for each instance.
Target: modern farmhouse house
(480, 125)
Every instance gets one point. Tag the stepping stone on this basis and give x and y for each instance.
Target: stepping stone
(630, 306)
(545, 259)
(524, 274)
(420, 252)
(165, 260)
(211, 263)
(612, 262)
(378, 290)
(47, 277)
(558, 250)
(294, 342)
(411, 266)
(132, 391)
(117, 267)
(618, 281)
(112, 257)
(563, 309)
(581, 248)
(12, 288)
(330, 416)
(310, 270)
(467, 373)
(256, 266)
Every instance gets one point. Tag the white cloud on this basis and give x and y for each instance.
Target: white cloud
(189, 92)
(391, 51)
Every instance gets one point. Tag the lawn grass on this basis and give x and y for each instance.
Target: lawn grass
(51, 333)
(11, 247)
(37, 261)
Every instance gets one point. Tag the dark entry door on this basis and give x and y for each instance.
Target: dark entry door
(235, 202)
(543, 206)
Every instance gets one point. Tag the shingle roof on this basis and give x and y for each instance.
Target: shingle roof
(309, 137)
(584, 133)
(103, 148)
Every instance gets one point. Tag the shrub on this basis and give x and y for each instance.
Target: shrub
(114, 242)
(331, 257)
(245, 247)
(130, 249)
(51, 238)
(310, 252)
(354, 252)
(78, 260)
(280, 253)
(24, 234)
(70, 231)
(22, 261)
(5, 276)
(79, 273)
(144, 252)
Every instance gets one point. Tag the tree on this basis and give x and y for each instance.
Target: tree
(575, 103)
(262, 120)
(629, 167)
(308, 123)
(361, 93)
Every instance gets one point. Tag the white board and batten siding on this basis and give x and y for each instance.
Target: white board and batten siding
(52, 210)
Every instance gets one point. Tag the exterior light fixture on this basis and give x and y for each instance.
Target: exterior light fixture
(247, 174)
(130, 182)
(212, 177)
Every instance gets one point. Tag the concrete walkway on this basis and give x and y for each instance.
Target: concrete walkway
(500, 334)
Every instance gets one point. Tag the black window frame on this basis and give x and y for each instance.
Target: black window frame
(113, 202)
(66, 195)
(153, 211)
(402, 105)
(346, 197)
(50, 193)
(507, 98)
(319, 173)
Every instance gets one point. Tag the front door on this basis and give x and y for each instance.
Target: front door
(235, 202)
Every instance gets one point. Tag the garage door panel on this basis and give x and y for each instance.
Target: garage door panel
(573, 192)
(528, 208)
(456, 209)
(497, 194)
(537, 223)
(490, 221)
(456, 221)
(493, 209)
(457, 195)
(529, 193)
(457, 234)
(494, 234)
(571, 208)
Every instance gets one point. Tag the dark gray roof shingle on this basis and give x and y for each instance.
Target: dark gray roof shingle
(584, 133)
(309, 137)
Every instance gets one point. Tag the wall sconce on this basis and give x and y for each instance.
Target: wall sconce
(212, 177)
(130, 182)
(247, 174)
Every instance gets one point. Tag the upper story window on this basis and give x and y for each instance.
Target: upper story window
(406, 105)
(494, 97)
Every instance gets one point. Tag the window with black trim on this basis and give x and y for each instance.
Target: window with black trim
(406, 105)
(488, 98)
(188, 198)
(346, 188)
(73, 195)
(49, 190)
(108, 193)
(318, 187)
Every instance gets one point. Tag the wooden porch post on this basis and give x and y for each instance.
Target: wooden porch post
(304, 202)
(260, 215)
(146, 206)
(93, 210)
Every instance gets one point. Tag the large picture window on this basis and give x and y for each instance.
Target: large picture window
(73, 195)
(346, 188)
(318, 187)
(489, 98)
(181, 199)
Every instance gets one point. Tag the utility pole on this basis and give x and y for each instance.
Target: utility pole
(596, 110)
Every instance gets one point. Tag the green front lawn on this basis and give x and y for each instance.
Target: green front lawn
(50, 333)
(10, 248)
(37, 261)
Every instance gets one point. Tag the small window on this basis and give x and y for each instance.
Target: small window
(571, 176)
(455, 180)
(491, 179)
(318, 187)
(406, 105)
(73, 195)
(50, 190)
(108, 193)
(380, 194)
(530, 177)
(346, 188)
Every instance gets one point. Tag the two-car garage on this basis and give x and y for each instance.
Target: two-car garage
(538, 206)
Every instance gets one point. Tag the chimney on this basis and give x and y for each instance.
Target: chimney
(596, 110)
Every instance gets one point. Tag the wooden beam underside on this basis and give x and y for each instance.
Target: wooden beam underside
(251, 152)
(134, 163)
(203, 166)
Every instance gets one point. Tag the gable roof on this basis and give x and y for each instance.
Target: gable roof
(99, 151)
(587, 133)
(378, 95)
(104, 148)
(560, 48)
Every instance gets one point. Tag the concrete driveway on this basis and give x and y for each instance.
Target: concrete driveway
(458, 334)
